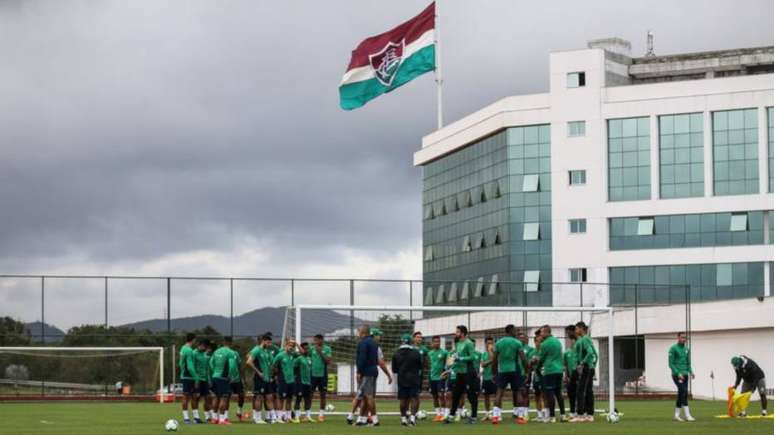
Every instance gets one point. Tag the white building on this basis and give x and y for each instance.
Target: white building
(658, 172)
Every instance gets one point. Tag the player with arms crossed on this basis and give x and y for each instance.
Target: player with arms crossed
(321, 355)
(748, 371)
(188, 376)
(260, 361)
(407, 366)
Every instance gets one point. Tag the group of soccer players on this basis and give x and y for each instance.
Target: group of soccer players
(283, 379)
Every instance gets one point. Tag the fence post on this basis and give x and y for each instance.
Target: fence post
(292, 292)
(43, 310)
(352, 332)
(106, 303)
(581, 299)
(169, 307)
(636, 337)
(231, 298)
(411, 299)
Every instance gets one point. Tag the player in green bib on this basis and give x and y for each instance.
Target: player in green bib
(680, 366)
(467, 375)
(284, 363)
(522, 411)
(235, 379)
(550, 364)
(201, 364)
(570, 368)
(260, 361)
(321, 355)
(437, 357)
(587, 362)
(303, 367)
(188, 376)
(508, 355)
(220, 365)
(488, 386)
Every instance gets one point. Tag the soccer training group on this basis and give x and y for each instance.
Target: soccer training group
(285, 379)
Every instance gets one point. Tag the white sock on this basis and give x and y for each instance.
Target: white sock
(546, 414)
(257, 415)
(516, 412)
(349, 416)
(523, 411)
(222, 417)
(185, 415)
(375, 419)
(309, 413)
(687, 411)
(225, 414)
(413, 419)
(239, 410)
(195, 413)
(496, 412)
(677, 412)
(322, 413)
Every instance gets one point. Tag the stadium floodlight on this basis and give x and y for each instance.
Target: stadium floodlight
(111, 361)
(337, 324)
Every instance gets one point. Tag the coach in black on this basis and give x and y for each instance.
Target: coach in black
(407, 364)
(754, 379)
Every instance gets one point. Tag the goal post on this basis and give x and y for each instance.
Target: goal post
(338, 323)
(25, 367)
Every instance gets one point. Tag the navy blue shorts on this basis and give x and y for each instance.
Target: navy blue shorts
(552, 382)
(489, 387)
(438, 387)
(237, 388)
(286, 391)
(204, 388)
(537, 384)
(221, 386)
(189, 386)
(302, 390)
(319, 384)
(513, 380)
(263, 388)
(408, 392)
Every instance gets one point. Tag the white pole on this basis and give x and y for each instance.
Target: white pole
(161, 375)
(610, 360)
(438, 75)
(298, 325)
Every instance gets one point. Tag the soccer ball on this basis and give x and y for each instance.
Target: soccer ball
(421, 414)
(330, 408)
(465, 413)
(171, 426)
(613, 417)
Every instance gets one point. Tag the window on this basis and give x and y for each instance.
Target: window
(480, 241)
(645, 226)
(429, 212)
(465, 292)
(429, 296)
(735, 151)
(578, 275)
(465, 199)
(479, 290)
(681, 155)
(576, 79)
(532, 231)
(429, 253)
(466, 244)
(577, 177)
(531, 280)
(439, 295)
(724, 274)
(739, 222)
(531, 183)
(494, 285)
(452, 296)
(576, 128)
(577, 226)
(628, 157)
(497, 238)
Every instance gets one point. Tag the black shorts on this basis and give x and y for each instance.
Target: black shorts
(489, 387)
(189, 386)
(537, 384)
(438, 387)
(285, 390)
(319, 384)
(263, 388)
(552, 382)
(408, 392)
(302, 390)
(513, 380)
(237, 388)
(204, 388)
(221, 386)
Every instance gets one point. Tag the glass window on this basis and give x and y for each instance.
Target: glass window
(429, 253)
(497, 238)
(531, 183)
(439, 294)
(452, 296)
(735, 151)
(532, 231)
(724, 274)
(429, 212)
(681, 151)
(429, 296)
(645, 227)
(578, 177)
(628, 159)
(578, 275)
(466, 244)
(576, 128)
(494, 285)
(577, 226)
(576, 79)
(465, 292)
(479, 291)
(739, 222)
(480, 241)
(531, 280)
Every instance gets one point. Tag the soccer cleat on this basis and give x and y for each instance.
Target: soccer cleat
(457, 418)
(764, 413)
(309, 420)
(187, 421)
(350, 421)
(403, 421)
(471, 420)
(564, 418)
(677, 418)
(521, 420)
(549, 420)
(689, 418)
(577, 419)
(260, 422)
(239, 417)
(437, 418)
(589, 419)
(225, 422)
(321, 418)
(495, 420)
(448, 420)
(213, 421)
(295, 420)
(198, 421)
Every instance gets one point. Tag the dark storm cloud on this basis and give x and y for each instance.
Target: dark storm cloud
(130, 130)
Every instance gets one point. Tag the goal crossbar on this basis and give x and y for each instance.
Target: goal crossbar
(158, 349)
(466, 309)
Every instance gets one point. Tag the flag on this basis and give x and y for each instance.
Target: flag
(387, 61)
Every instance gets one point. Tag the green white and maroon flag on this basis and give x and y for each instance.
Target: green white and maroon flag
(387, 61)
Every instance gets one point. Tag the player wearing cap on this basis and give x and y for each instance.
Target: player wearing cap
(754, 379)
(407, 365)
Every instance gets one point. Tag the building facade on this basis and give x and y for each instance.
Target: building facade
(652, 173)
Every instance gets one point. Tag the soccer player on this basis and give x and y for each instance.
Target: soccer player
(367, 363)
(418, 341)
(260, 361)
(201, 363)
(321, 355)
(211, 397)
(467, 375)
(522, 397)
(407, 365)
(284, 364)
(303, 364)
(680, 365)
(587, 362)
(488, 386)
(537, 379)
(506, 352)
(550, 362)
(437, 358)
(570, 360)
(754, 379)
(220, 364)
(274, 350)
(188, 375)
(235, 379)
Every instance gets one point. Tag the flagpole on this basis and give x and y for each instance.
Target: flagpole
(438, 76)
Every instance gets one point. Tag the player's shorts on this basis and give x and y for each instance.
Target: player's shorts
(203, 389)
(302, 390)
(221, 386)
(537, 384)
(319, 383)
(263, 388)
(488, 387)
(237, 388)
(513, 380)
(367, 387)
(408, 392)
(552, 382)
(760, 386)
(189, 386)
(285, 390)
(438, 387)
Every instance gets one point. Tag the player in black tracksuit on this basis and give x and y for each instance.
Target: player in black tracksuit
(407, 364)
(754, 379)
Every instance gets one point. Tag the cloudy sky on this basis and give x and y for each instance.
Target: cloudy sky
(204, 137)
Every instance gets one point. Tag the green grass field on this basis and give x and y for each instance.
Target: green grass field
(641, 417)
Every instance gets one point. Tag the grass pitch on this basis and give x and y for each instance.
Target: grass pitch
(640, 417)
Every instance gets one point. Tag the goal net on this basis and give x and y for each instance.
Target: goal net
(82, 373)
(339, 325)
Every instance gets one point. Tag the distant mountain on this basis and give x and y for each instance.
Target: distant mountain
(53, 334)
(253, 323)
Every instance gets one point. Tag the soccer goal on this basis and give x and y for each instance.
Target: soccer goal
(82, 373)
(339, 324)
